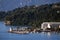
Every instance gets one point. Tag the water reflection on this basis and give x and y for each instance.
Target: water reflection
(49, 33)
(4, 35)
(46, 33)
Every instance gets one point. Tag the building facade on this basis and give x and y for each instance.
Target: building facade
(49, 25)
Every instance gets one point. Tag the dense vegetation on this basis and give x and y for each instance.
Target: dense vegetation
(33, 15)
(2, 15)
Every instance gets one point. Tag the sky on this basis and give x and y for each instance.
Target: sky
(7, 5)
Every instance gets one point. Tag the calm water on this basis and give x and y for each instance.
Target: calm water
(4, 35)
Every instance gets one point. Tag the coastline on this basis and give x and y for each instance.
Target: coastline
(27, 32)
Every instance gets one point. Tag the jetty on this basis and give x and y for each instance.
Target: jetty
(19, 31)
(24, 30)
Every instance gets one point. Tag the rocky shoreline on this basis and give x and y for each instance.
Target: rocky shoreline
(27, 31)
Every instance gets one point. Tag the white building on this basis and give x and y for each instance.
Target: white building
(46, 25)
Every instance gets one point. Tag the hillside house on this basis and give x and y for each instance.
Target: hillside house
(49, 25)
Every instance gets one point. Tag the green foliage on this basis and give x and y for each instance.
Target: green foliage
(34, 16)
(2, 15)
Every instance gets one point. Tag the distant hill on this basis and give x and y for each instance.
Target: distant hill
(2, 15)
(34, 15)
